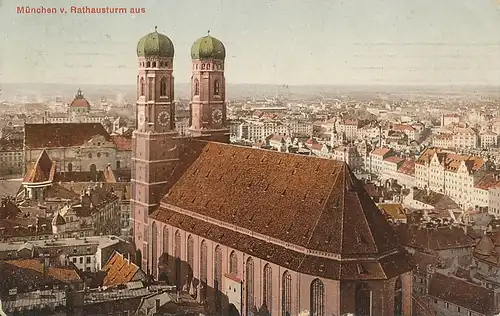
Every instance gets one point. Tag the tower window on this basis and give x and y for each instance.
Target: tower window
(196, 87)
(150, 92)
(148, 64)
(154, 64)
(208, 66)
(163, 87)
(202, 66)
(141, 87)
(216, 87)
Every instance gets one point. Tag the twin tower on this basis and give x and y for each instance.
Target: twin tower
(158, 151)
(155, 85)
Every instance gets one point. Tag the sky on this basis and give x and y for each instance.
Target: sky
(294, 42)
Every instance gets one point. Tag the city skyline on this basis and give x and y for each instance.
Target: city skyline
(268, 42)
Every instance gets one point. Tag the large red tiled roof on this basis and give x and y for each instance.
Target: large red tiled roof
(42, 171)
(61, 134)
(463, 293)
(310, 202)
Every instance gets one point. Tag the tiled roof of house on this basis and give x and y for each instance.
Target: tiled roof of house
(381, 151)
(394, 159)
(408, 167)
(426, 156)
(394, 211)
(62, 134)
(119, 270)
(489, 180)
(123, 143)
(28, 273)
(435, 199)
(463, 293)
(42, 171)
(317, 204)
(435, 238)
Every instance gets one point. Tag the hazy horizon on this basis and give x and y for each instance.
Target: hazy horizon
(273, 42)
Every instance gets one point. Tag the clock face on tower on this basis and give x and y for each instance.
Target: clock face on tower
(163, 118)
(217, 116)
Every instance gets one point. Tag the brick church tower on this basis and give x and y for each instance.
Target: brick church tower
(208, 90)
(154, 142)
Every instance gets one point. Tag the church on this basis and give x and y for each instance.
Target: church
(251, 231)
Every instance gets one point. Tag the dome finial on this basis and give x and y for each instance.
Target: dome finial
(208, 32)
(156, 28)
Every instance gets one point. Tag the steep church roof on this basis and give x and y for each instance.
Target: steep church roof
(310, 204)
(42, 171)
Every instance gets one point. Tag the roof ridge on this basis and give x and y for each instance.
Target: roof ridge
(311, 233)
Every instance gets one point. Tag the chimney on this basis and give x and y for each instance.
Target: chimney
(157, 305)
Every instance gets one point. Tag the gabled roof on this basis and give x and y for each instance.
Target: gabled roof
(304, 201)
(62, 134)
(438, 238)
(42, 171)
(119, 270)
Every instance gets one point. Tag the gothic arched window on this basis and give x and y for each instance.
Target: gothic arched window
(177, 250)
(196, 87)
(203, 269)
(163, 87)
(233, 263)
(363, 300)
(398, 297)
(154, 64)
(190, 252)
(148, 64)
(267, 285)
(250, 304)
(218, 277)
(150, 89)
(286, 294)
(317, 298)
(165, 244)
(141, 86)
(154, 250)
(216, 87)
(70, 167)
(202, 66)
